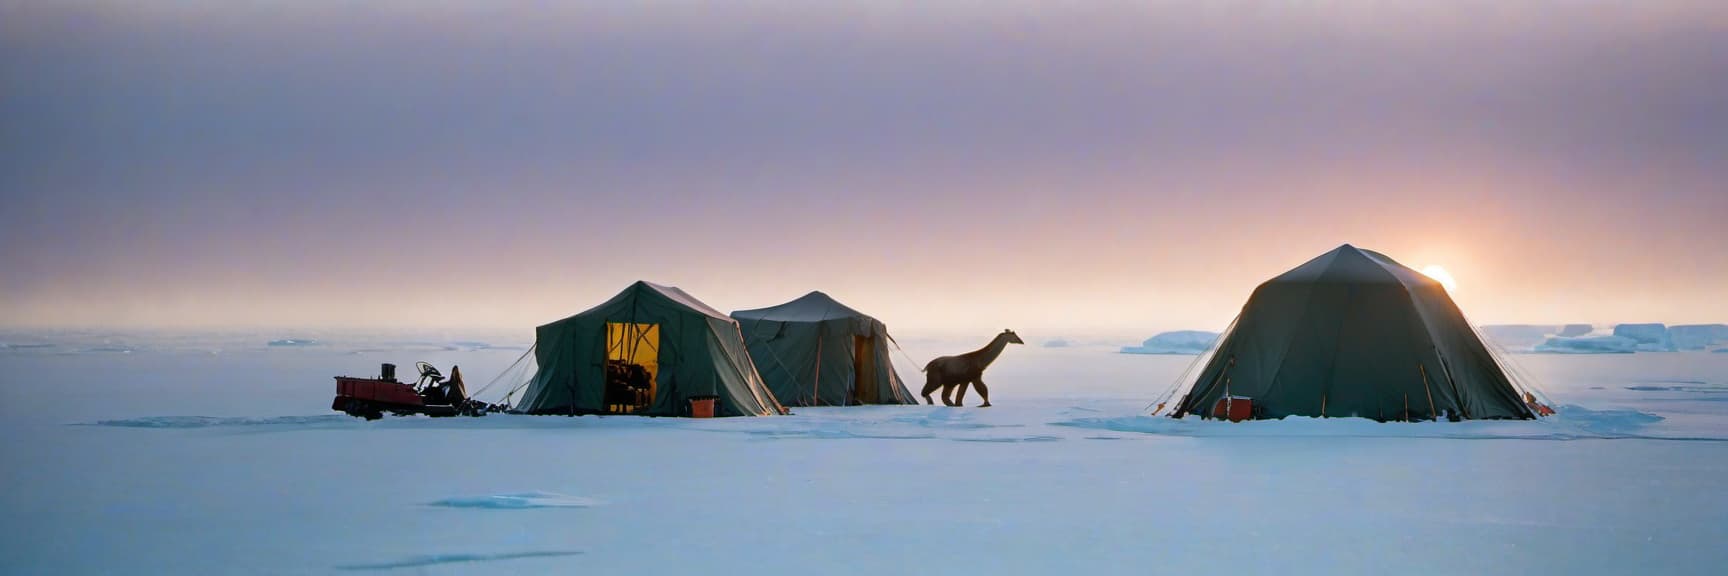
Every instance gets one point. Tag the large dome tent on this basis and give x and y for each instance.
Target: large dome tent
(1354, 333)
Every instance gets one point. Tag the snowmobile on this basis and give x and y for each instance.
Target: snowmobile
(431, 395)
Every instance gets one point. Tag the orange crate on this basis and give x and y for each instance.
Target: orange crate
(702, 406)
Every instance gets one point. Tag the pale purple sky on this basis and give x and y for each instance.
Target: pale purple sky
(1093, 167)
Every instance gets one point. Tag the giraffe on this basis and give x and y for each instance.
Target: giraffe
(966, 369)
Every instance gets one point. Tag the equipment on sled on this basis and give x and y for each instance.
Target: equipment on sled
(431, 394)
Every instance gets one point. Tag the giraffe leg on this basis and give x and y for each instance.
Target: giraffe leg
(982, 391)
(930, 385)
(959, 393)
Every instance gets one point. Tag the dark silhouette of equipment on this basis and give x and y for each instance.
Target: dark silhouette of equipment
(629, 387)
(428, 373)
(431, 394)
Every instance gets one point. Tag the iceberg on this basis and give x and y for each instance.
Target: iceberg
(1588, 345)
(1571, 330)
(1650, 337)
(285, 342)
(1057, 343)
(1178, 342)
(1520, 336)
(1697, 336)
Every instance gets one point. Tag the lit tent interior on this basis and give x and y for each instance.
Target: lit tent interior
(647, 351)
(1354, 333)
(815, 351)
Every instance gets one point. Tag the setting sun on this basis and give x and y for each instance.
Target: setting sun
(1440, 275)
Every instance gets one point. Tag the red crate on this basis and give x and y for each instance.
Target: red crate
(1233, 408)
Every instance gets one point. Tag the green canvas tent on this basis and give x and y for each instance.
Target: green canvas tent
(1353, 333)
(815, 351)
(647, 351)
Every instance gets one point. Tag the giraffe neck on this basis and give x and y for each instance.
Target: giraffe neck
(988, 353)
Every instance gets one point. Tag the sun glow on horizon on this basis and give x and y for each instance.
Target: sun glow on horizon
(1439, 274)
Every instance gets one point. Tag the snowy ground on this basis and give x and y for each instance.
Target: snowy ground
(189, 454)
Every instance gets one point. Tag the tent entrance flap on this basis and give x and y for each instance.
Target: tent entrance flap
(864, 370)
(632, 366)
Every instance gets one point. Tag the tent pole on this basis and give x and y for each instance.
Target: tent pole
(1227, 398)
(821, 334)
(755, 331)
(1463, 407)
(816, 385)
(1432, 413)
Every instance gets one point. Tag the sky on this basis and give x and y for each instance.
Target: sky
(1061, 168)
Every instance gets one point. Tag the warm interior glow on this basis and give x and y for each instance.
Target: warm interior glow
(1440, 275)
